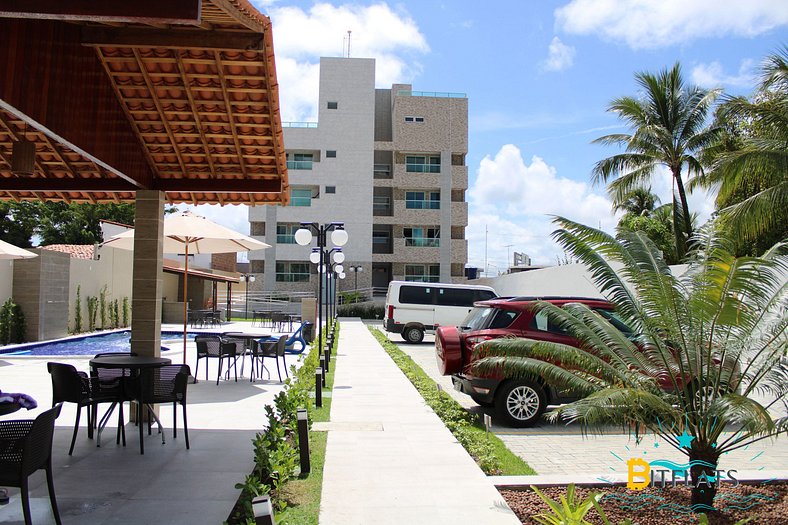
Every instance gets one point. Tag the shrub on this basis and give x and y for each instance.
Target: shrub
(92, 311)
(103, 306)
(12, 323)
(125, 311)
(364, 311)
(78, 313)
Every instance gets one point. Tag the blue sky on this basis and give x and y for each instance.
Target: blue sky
(538, 75)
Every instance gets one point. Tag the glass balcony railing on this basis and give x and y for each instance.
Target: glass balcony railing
(299, 124)
(422, 242)
(434, 94)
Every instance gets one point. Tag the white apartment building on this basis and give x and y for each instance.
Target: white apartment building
(390, 164)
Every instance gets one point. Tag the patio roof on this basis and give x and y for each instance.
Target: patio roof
(178, 96)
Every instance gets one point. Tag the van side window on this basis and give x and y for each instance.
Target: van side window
(416, 295)
(483, 295)
(456, 297)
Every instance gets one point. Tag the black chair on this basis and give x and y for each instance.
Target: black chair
(72, 386)
(25, 447)
(166, 384)
(215, 347)
(112, 382)
(270, 348)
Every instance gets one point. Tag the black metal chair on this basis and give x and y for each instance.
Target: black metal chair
(166, 384)
(72, 386)
(269, 348)
(112, 382)
(215, 347)
(25, 447)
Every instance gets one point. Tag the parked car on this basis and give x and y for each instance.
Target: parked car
(413, 308)
(517, 402)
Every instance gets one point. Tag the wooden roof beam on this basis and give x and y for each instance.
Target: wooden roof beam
(139, 11)
(91, 185)
(135, 37)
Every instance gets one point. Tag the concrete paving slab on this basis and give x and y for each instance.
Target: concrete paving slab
(413, 470)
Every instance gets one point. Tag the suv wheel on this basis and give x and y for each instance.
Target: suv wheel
(413, 334)
(519, 403)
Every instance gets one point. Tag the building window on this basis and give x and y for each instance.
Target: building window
(380, 237)
(285, 233)
(423, 200)
(331, 153)
(426, 273)
(423, 163)
(299, 161)
(381, 203)
(333, 105)
(414, 119)
(292, 272)
(331, 189)
(422, 237)
(300, 197)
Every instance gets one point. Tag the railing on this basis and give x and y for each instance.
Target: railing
(299, 164)
(287, 302)
(299, 124)
(435, 94)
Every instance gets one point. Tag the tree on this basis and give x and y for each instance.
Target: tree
(18, 222)
(638, 201)
(749, 163)
(62, 223)
(668, 129)
(699, 346)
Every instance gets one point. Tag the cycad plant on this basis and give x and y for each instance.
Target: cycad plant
(701, 345)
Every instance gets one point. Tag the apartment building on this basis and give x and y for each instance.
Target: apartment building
(390, 164)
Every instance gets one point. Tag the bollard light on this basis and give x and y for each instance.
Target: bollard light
(328, 357)
(319, 387)
(263, 510)
(487, 423)
(323, 370)
(303, 439)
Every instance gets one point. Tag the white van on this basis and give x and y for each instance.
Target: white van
(413, 308)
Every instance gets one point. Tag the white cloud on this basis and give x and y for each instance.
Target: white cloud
(513, 201)
(560, 56)
(643, 24)
(712, 75)
(301, 37)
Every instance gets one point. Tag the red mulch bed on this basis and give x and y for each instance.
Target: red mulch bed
(764, 511)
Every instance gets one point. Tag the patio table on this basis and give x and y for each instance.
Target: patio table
(249, 337)
(134, 364)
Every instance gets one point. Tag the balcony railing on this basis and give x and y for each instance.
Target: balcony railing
(422, 242)
(299, 124)
(434, 94)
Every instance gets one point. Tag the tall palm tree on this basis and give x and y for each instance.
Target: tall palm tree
(751, 169)
(668, 128)
(705, 342)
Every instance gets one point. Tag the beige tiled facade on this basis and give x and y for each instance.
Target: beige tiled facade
(371, 133)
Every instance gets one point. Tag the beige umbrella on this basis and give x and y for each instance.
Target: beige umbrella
(192, 234)
(9, 251)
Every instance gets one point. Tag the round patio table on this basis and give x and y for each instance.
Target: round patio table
(134, 363)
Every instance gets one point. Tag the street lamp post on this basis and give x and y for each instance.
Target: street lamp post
(246, 278)
(335, 272)
(303, 237)
(355, 270)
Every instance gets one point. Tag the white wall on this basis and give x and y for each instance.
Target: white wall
(6, 279)
(113, 268)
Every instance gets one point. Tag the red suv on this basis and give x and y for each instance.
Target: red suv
(517, 402)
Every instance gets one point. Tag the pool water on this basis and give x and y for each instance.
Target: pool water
(87, 345)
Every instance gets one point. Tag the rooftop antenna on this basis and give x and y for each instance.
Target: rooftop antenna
(348, 42)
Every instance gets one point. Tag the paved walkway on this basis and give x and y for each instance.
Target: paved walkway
(389, 458)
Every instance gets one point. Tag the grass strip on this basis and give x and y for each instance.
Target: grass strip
(489, 452)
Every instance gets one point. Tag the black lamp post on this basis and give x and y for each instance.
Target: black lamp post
(246, 278)
(355, 270)
(335, 272)
(303, 236)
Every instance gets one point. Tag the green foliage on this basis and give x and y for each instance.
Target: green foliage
(699, 345)
(571, 510)
(749, 163)
(125, 311)
(78, 313)
(351, 297)
(61, 223)
(18, 221)
(668, 128)
(92, 303)
(12, 323)
(364, 311)
(704, 520)
(114, 315)
(103, 306)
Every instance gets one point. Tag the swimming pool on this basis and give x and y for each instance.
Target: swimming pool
(86, 345)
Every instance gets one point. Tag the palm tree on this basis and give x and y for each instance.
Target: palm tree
(638, 201)
(750, 164)
(668, 129)
(721, 326)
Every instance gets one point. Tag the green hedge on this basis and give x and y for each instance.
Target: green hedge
(364, 311)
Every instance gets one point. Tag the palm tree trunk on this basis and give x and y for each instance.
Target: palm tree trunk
(681, 250)
(704, 481)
